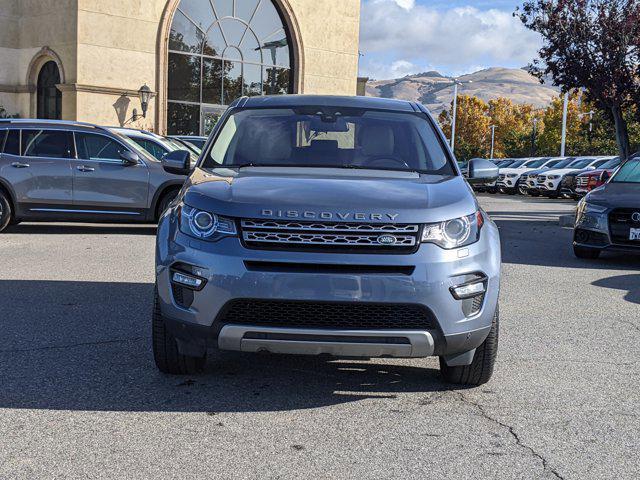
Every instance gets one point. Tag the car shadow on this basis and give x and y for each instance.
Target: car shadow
(625, 283)
(536, 238)
(81, 229)
(86, 346)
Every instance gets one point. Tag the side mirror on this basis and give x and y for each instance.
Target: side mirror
(177, 162)
(130, 158)
(482, 172)
(605, 176)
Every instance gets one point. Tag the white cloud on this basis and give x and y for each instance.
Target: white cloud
(396, 69)
(453, 39)
(406, 4)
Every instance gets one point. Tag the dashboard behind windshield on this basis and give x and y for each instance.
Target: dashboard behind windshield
(330, 137)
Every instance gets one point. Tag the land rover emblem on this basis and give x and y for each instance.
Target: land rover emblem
(636, 217)
(387, 240)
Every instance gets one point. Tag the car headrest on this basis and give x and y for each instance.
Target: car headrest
(377, 140)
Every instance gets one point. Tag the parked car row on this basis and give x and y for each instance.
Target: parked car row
(73, 171)
(553, 177)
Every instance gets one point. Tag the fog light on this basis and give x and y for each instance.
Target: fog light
(467, 291)
(188, 281)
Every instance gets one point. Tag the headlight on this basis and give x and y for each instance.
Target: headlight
(593, 217)
(205, 225)
(512, 175)
(455, 233)
(553, 177)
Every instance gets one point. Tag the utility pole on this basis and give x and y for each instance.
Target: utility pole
(533, 136)
(454, 115)
(493, 139)
(565, 111)
(590, 134)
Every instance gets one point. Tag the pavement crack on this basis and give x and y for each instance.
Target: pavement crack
(72, 345)
(480, 408)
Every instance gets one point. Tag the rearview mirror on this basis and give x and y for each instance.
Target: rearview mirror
(482, 172)
(130, 158)
(177, 162)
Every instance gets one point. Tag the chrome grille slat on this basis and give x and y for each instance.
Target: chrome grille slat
(316, 234)
(328, 227)
(324, 239)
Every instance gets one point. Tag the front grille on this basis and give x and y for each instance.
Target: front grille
(501, 178)
(582, 181)
(329, 315)
(542, 178)
(323, 236)
(620, 224)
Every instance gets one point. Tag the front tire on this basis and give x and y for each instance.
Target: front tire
(5, 211)
(167, 357)
(481, 369)
(586, 252)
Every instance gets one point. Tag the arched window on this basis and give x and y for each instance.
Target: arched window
(220, 50)
(49, 97)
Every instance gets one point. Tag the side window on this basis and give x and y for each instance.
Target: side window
(150, 147)
(12, 144)
(46, 143)
(98, 147)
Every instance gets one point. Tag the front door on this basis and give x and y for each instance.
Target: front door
(38, 165)
(102, 182)
(210, 114)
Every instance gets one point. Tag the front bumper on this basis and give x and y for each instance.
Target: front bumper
(224, 266)
(549, 186)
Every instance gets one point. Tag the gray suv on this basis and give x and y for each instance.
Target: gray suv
(328, 225)
(66, 171)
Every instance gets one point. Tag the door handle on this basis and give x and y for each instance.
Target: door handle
(20, 165)
(84, 168)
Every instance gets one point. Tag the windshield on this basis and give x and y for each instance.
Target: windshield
(504, 163)
(584, 163)
(613, 163)
(135, 147)
(628, 173)
(537, 163)
(560, 163)
(332, 138)
(517, 164)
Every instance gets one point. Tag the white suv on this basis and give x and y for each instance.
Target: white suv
(550, 182)
(509, 177)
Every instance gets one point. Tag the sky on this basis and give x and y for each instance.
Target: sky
(454, 37)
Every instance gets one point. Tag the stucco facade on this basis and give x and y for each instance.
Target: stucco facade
(106, 50)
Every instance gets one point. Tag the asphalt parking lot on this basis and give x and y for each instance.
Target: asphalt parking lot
(81, 398)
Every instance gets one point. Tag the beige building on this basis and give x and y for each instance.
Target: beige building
(87, 60)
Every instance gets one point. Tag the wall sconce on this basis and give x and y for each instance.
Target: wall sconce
(145, 94)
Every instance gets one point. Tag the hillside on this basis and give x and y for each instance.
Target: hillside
(435, 91)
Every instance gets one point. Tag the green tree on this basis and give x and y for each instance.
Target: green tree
(592, 44)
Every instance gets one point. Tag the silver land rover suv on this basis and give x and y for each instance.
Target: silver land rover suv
(328, 225)
(69, 171)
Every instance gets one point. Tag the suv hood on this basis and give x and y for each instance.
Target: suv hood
(616, 195)
(330, 194)
(514, 170)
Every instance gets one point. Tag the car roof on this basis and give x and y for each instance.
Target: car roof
(34, 122)
(132, 132)
(291, 101)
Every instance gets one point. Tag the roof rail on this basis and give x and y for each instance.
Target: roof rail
(72, 123)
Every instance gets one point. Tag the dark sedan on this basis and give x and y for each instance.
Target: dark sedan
(608, 217)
